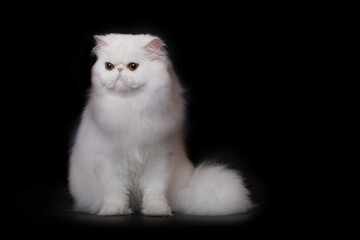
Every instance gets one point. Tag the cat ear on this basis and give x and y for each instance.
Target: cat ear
(155, 45)
(100, 40)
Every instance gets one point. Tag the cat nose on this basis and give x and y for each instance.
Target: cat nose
(120, 69)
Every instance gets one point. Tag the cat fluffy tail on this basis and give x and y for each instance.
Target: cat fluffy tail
(214, 190)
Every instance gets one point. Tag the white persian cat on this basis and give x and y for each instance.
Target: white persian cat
(129, 150)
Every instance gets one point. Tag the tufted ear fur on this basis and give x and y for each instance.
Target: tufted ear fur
(155, 45)
(101, 40)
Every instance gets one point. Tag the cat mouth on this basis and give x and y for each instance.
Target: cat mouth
(122, 86)
(112, 84)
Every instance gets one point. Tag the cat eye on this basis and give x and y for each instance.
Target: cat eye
(133, 66)
(109, 66)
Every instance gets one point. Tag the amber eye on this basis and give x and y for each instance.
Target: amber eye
(109, 66)
(133, 66)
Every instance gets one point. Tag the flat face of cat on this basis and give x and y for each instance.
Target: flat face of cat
(127, 63)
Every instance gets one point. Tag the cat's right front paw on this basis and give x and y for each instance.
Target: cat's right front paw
(112, 209)
(156, 208)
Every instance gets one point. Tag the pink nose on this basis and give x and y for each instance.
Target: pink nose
(120, 69)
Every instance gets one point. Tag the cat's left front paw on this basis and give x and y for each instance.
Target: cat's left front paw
(112, 209)
(156, 209)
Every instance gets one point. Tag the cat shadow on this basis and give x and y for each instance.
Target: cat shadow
(51, 205)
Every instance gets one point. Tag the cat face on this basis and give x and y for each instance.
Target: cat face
(128, 63)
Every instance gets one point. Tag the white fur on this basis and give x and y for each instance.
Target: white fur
(129, 151)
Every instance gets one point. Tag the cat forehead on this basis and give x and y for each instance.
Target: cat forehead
(133, 38)
(121, 47)
(121, 51)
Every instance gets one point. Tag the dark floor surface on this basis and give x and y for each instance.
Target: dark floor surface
(48, 207)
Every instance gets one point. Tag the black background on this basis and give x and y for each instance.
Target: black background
(235, 61)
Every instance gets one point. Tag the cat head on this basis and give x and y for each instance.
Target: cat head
(128, 63)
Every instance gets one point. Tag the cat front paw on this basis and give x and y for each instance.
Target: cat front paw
(112, 209)
(156, 209)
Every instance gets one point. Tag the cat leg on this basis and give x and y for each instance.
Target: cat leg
(154, 202)
(116, 191)
(153, 185)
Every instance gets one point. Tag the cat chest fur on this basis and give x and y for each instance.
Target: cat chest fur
(132, 121)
